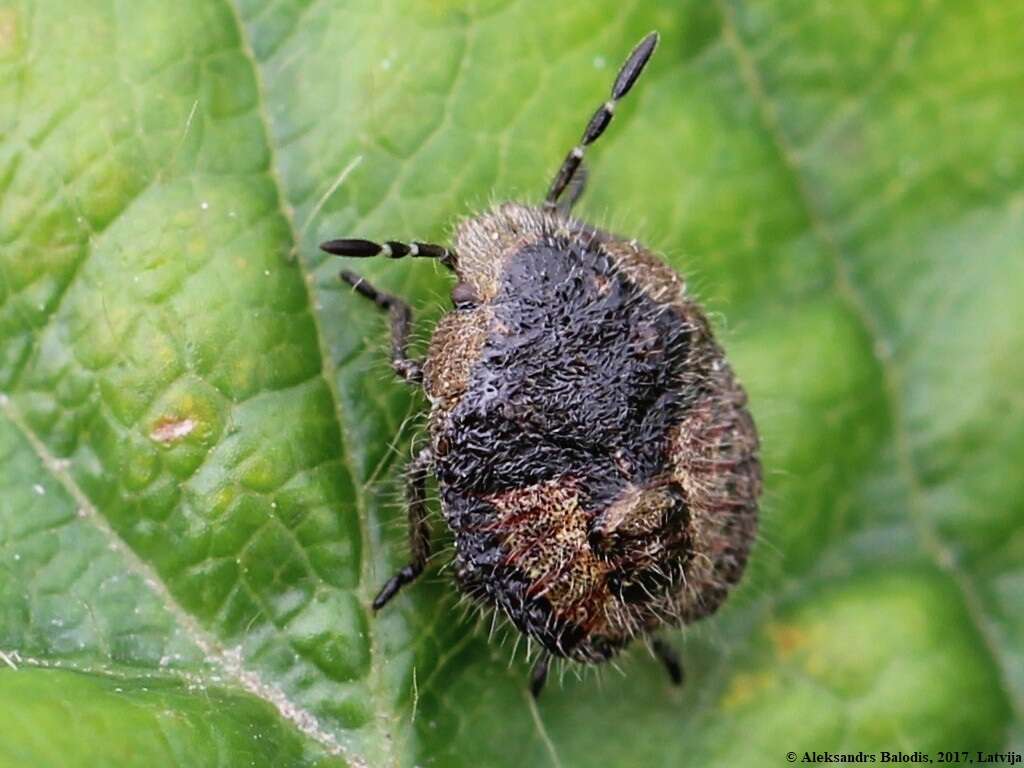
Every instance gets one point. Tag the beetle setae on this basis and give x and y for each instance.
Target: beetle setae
(594, 454)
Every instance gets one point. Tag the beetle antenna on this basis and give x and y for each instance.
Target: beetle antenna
(628, 75)
(389, 249)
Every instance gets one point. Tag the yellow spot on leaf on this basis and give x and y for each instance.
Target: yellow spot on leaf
(788, 639)
(745, 687)
(8, 31)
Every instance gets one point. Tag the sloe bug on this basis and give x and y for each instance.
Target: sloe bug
(595, 458)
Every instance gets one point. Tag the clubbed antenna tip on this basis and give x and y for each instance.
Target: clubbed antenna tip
(634, 65)
(628, 74)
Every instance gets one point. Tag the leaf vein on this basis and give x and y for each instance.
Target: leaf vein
(227, 663)
(376, 673)
(940, 553)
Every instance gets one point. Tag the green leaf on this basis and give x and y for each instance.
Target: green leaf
(201, 444)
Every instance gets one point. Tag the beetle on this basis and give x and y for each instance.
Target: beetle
(595, 457)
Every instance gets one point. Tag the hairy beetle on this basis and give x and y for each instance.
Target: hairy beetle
(595, 457)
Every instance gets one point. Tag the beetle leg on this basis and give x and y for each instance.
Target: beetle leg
(668, 656)
(401, 324)
(419, 528)
(539, 675)
(577, 186)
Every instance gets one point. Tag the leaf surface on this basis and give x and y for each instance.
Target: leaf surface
(202, 446)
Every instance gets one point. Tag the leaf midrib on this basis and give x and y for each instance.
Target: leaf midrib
(306, 271)
(845, 288)
(227, 665)
(214, 653)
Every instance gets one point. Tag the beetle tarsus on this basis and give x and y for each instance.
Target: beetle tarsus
(668, 656)
(539, 675)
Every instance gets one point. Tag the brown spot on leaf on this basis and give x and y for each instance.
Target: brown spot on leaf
(170, 430)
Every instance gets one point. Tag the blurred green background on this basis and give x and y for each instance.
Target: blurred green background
(201, 443)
